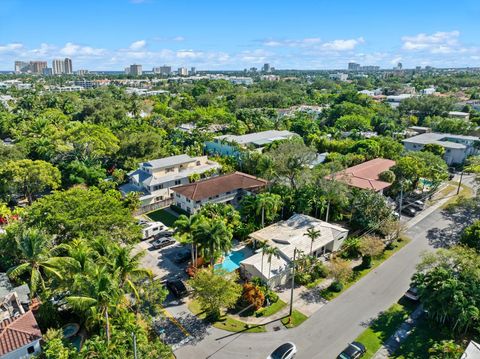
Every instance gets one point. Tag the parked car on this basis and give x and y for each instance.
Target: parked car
(287, 350)
(182, 256)
(354, 350)
(162, 242)
(177, 287)
(417, 205)
(164, 234)
(412, 294)
(409, 211)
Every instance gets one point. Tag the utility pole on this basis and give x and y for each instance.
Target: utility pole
(400, 209)
(293, 284)
(134, 345)
(460, 182)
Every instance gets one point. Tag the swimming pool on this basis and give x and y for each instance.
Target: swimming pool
(231, 261)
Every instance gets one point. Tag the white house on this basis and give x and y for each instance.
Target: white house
(287, 236)
(229, 188)
(229, 144)
(457, 147)
(154, 179)
(458, 114)
(472, 351)
(20, 337)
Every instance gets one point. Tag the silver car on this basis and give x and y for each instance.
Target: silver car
(287, 350)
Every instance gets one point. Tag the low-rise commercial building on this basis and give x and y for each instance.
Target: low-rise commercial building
(229, 188)
(288, 236)
(457, 147)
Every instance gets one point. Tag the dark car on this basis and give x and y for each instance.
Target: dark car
(412, 294)
(162, 242)
(177, 287)
(182, 257)
(354, 350)
(417, 205)
(164, 234)
(287, 350)
(409, 211)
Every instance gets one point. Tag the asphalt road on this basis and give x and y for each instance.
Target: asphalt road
(327, 331)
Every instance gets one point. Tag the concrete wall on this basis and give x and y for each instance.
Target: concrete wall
(22, 353)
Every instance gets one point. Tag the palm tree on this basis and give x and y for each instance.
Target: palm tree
(267, 204)
(129, 268)
(37, 260)
(313, 234)
(213, 237)
(94, 294)
(185, 226)
(264, 246)
(271, 252)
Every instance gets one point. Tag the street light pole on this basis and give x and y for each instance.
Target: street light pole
(293, 284)
(460, 182)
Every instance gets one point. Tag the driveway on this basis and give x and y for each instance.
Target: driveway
(338, 322)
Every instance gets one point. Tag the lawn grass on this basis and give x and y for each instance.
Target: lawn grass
(162, 215)
(359, 271)
(422, 337)
(272, 309)
(225, 322)
(297, 319)
(384, 326)
(465, 192)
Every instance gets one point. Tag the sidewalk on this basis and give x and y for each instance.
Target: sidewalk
(393, 343)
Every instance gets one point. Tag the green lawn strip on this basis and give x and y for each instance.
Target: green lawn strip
(384, 326)
(315, 283)
(465, 192)
(297, 319)
(226, 322)
(359, 272)
(163, 216)
(422, 337)
(272, 309)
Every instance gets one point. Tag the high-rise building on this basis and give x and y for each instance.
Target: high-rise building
(182, 71)
(136, 70)
(81, 72)
(162, 70)
(37, 67)
(266, 68)
(353, 66)
(127, 70)
(48, 71)
(193, 71)
(22, 67)
(68, 66)
(58, 67)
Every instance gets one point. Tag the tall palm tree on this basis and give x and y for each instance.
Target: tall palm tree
(213, 237)
(267, 204)
(265, 247)
(185, 226)
(129, 268)
(37, 260)
(94, 294)
(313, 234)
(271, 252)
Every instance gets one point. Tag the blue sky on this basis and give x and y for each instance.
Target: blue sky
(234, 34)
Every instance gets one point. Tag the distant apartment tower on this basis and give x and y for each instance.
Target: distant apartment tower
(165, 70)
(193, 71)
(48, 71)
(182, 71)
(136, 70)
(22, 67)
(81, 72)
(266, 68)
(353, 66)
(127, 70)
(58, 67)
(68, 66)
(37, 67)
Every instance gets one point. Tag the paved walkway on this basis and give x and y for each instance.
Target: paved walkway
(393, 343)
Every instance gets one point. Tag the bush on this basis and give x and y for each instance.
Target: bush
(351, 248)
(336, 287)
(253, 295)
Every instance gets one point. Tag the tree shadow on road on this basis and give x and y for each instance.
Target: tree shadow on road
(313, 295)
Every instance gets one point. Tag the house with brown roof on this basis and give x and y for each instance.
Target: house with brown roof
(365, 175)
(20, 337)
(229, 188)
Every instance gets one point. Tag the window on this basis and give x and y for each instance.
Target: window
(159, 198)
(155, 229)
(31, 350)
(228, 192)
(169, 169)
(177, 182)
(188, 200)
(199, 163)
(197, 202)
(178, 196)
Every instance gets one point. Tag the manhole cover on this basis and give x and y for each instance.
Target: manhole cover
(276, 329)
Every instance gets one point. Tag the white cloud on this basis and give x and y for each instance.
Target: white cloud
(440, 42)
(309, 41)
(137, 45)
(178, 38)
(343, 45)
(13, 47)
(71, 49)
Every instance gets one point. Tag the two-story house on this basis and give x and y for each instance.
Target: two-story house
(154, 179)
(230, 188)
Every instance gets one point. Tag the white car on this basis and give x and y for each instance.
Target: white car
(287, 350)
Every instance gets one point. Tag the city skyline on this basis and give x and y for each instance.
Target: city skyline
(215, 36)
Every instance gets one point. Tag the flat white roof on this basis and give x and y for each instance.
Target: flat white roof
(258, 137)
(442, 139)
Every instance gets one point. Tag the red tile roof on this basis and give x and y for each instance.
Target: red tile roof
(217, 185)
(18, 332)
(365, 175)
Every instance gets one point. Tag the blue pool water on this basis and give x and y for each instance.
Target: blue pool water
(231, 261)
